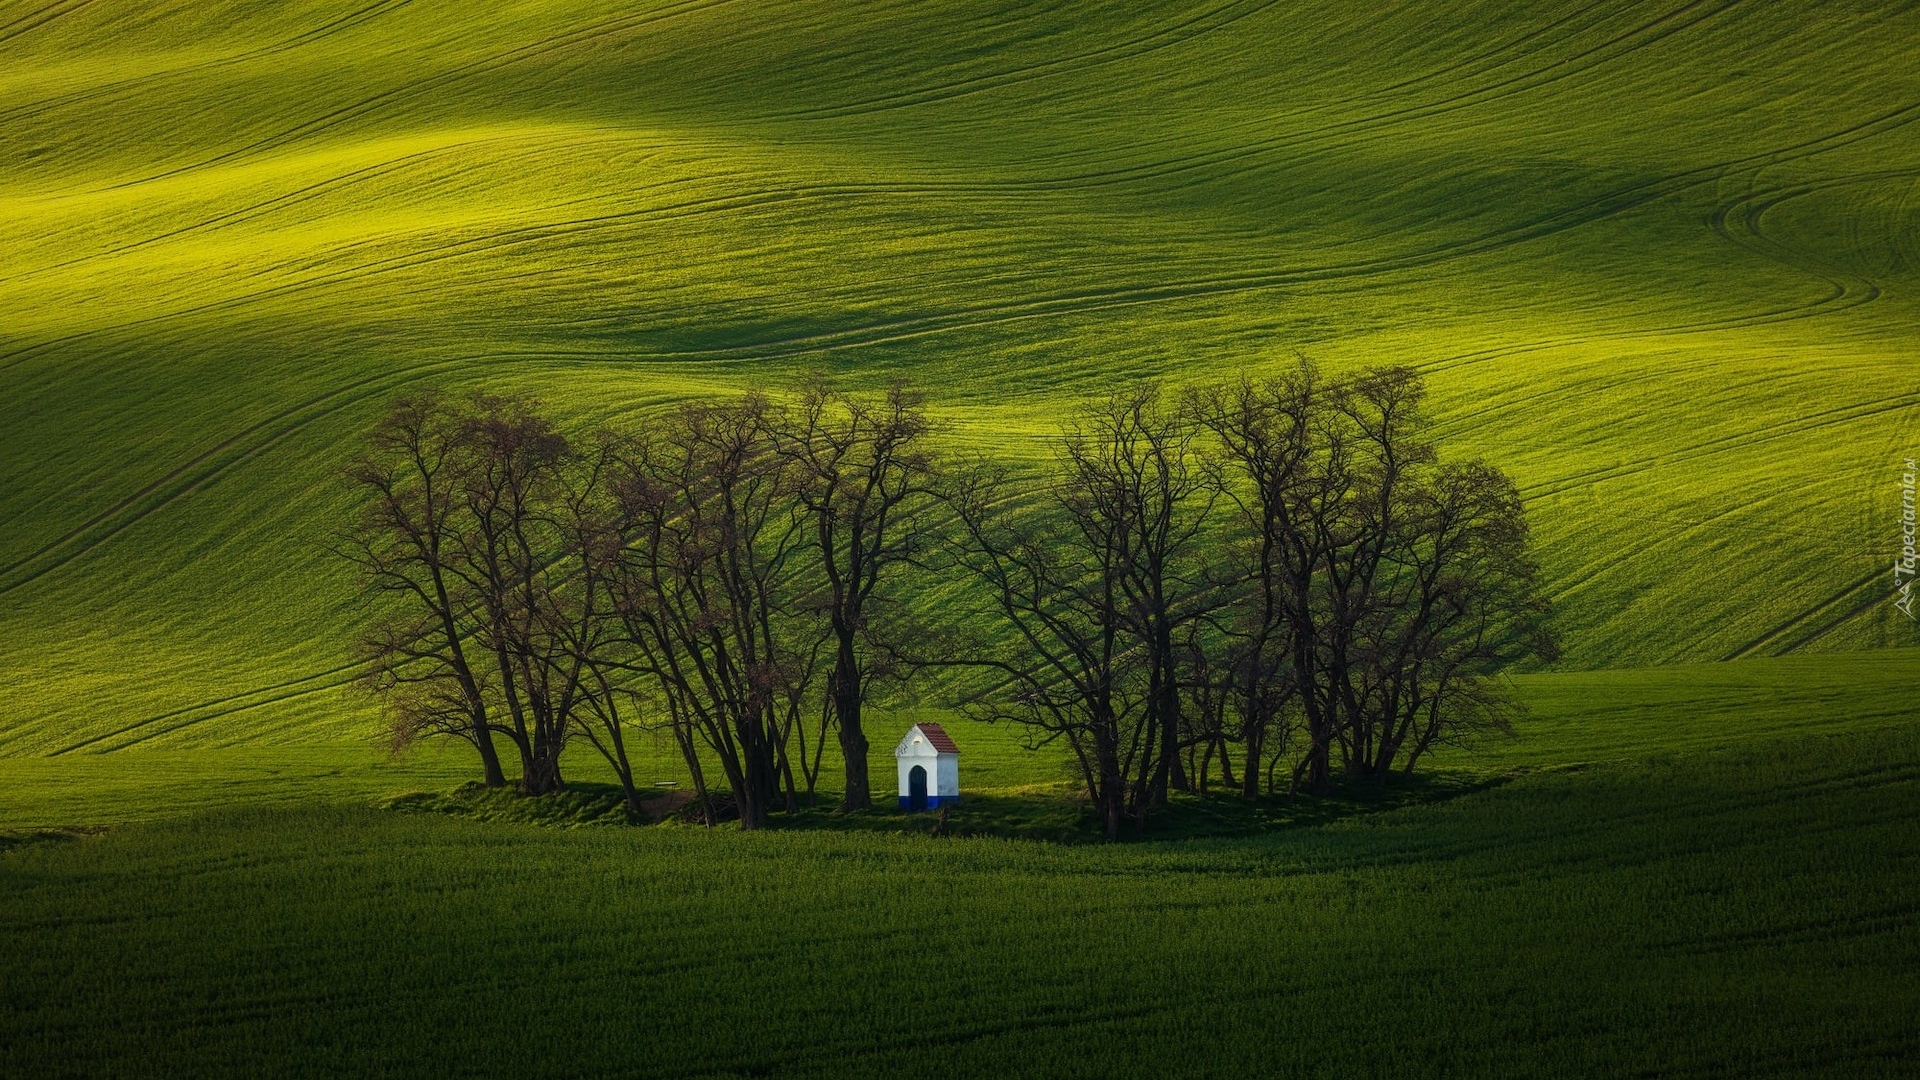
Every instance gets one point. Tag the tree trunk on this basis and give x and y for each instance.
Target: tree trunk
(1111, 798)
(489, 756)
(1173, 771)
(853, 738)
(1250, 773)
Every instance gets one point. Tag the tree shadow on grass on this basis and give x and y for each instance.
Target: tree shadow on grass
(1051, 813)
(19, 838)
(1058, 814)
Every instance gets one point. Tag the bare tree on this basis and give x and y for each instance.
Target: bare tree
(1283, 463)
(579, 613)
(707, 593)
(1133, 489)
(484, 523)
(1266, 574)
(1458, 601)
(507, 555)
(418, 654)
(1056, 594)
(1393, 584)
(861, 471)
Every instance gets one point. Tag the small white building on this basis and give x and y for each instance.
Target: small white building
(929, 768)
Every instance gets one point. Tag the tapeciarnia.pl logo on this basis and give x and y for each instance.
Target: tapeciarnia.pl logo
(1904, 567)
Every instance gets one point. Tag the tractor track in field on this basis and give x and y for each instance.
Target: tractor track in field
(189, 715)
(1514, 52)
(1745, 214)
(1191, 28)
(1838, 415)
(1748, 212)
(1643, 34)
(295, 197)
(1846, 290)
(1622, 200)
(264, 207)
(1519, 48)
(184, 480)
(42, 106)
(1606, 205)
(1786, 626)
(34, 20)
(1329, 136)
(1886, 920)
(1677, 529)
(1741, 222)
(566, 39)
(198, 472)
(1836, 617)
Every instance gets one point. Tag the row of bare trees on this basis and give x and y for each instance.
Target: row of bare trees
(1253, 580)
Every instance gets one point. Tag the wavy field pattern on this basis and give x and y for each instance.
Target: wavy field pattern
(1659, 259)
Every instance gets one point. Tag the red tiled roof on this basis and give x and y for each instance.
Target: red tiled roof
(937, 735)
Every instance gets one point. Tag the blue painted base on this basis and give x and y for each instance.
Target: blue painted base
(934, 802)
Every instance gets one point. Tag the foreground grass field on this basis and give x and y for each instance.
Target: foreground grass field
(1728, 895)
(1656, 258)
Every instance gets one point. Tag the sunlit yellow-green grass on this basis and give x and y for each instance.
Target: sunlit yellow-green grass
(1657, 258)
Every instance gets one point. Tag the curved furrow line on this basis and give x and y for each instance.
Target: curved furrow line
(34, 20)
(622, 25)
(592, 32)
(1750, 209)
(1847, 290)
(1326, 136)
(133, 509)
(95, 93)
(1606, 205)
(1843, 414)
(198, 472)
(264, 207)
(1048, 69)
(1906, 241)
(1873, 598)
(1191, 28)
(1615, 202)
(1511, 52)
(978, 315)
(1466, 419)
(240, 702)
(1870, 127)
(1825, 305)
(1785, 626)
(1544, 225)
(1679, 530)
(1835, 301)
(515, 236)
(518, 234)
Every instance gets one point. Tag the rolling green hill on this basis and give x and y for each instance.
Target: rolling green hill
(1658, 259)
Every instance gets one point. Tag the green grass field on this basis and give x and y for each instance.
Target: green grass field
(1711, 875)
(1658, 259)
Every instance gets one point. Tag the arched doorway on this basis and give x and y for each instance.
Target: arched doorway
(917, 788)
